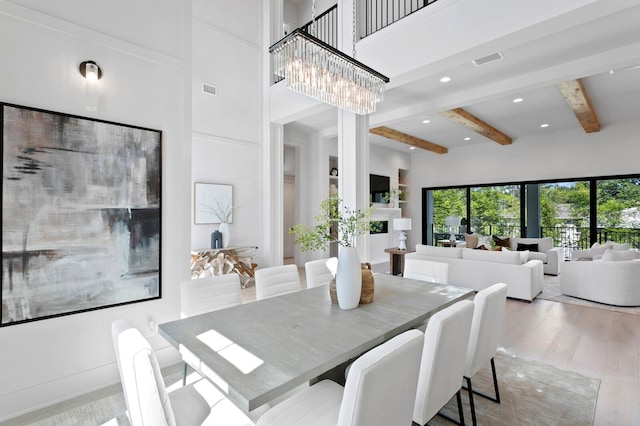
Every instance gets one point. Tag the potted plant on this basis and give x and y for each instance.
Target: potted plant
(394, 195)
(337, 223)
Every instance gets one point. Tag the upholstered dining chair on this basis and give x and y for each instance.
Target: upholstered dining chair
(208, 294)
(148, 401)
(379, 390)
(320, 272)
(483, 341)
(426, 270)
(443, 361)
(276, 280)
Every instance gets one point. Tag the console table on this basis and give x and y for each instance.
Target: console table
(208, 262)
(396, 260)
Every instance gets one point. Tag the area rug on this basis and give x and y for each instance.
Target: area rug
(531, 393)
(551, 291)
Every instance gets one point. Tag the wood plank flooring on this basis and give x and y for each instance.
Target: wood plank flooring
(594, 342)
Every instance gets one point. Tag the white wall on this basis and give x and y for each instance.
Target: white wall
(144, 68)
(612, 151)
(226, 127)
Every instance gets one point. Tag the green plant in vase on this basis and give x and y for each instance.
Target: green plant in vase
(335, 222)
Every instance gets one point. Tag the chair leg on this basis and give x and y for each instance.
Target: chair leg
(460, 412)
(495, 385)
(184, 376)
(495, 381)
(471, 404)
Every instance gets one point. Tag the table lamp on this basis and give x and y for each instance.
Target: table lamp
(451, 222)
(402, 224)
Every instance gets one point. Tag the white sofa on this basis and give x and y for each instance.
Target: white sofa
(551, 257)
(597, 250)
(479, 269)
(611, 282)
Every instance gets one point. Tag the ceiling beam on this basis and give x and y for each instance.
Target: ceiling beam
(578, 99)
(472, 122)
(395, 135)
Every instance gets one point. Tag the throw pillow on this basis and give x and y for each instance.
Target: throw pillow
(502, 242)
(596, 251)
(530, 247)
(618, 247)
(617, 255)
(484, 240)
(471, 240)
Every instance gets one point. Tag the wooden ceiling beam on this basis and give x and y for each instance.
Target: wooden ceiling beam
(395, 135)
(472, 122)
(578, 99)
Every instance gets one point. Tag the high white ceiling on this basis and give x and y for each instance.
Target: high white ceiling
(604, 52)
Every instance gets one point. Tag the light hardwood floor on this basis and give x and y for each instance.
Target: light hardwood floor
(597, 343)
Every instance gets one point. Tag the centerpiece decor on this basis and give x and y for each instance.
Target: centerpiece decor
(337, 223)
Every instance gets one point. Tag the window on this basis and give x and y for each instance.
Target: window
(575, 212)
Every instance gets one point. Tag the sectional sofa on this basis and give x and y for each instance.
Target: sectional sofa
(614, 282)
(479, 269)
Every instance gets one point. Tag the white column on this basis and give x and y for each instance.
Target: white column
(353, 139)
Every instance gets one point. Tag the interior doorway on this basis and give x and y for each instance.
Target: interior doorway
(289, 202)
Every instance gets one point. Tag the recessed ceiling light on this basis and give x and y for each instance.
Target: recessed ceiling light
(426, 121)
(445, 79)
(467, 138)
(544, 125)
(412, 147)
(517, 100)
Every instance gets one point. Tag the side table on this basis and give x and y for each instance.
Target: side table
(396, 259)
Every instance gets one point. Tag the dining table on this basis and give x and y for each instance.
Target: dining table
(258, 351)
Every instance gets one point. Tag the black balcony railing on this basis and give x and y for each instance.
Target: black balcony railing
(381, 13)
(326, 27)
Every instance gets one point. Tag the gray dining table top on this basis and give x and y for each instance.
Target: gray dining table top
(258, 351)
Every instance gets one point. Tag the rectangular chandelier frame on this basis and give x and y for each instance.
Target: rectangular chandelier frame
(314, 68)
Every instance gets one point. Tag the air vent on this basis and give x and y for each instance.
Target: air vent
(486, 59)
(210, 89)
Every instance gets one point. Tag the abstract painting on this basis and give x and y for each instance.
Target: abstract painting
(80, 214)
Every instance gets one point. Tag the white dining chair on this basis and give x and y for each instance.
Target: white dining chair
(146, 396)
(207, 295)
(443, 361)
(379, 390)
(276, 280)
(426, 270)
(483, 341)
(320, 272)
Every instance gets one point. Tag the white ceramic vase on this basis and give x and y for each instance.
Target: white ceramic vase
(348, 278)
(226, 235)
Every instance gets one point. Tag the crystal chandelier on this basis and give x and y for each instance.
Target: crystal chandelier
(313, 68)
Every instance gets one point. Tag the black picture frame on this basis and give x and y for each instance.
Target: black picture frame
(81, 221)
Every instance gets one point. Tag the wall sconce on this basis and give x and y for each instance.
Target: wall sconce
(92, 73)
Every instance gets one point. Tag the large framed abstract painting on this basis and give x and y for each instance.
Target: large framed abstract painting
(80, 214)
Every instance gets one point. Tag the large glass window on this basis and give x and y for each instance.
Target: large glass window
(495, 210)
(618, 211)
(565, 214)
(448, 202)
(576, 212)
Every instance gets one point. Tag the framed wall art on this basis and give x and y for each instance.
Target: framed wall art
(213, 203)
(80, 214)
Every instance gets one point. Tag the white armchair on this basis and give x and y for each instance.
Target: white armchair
(551, 257)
